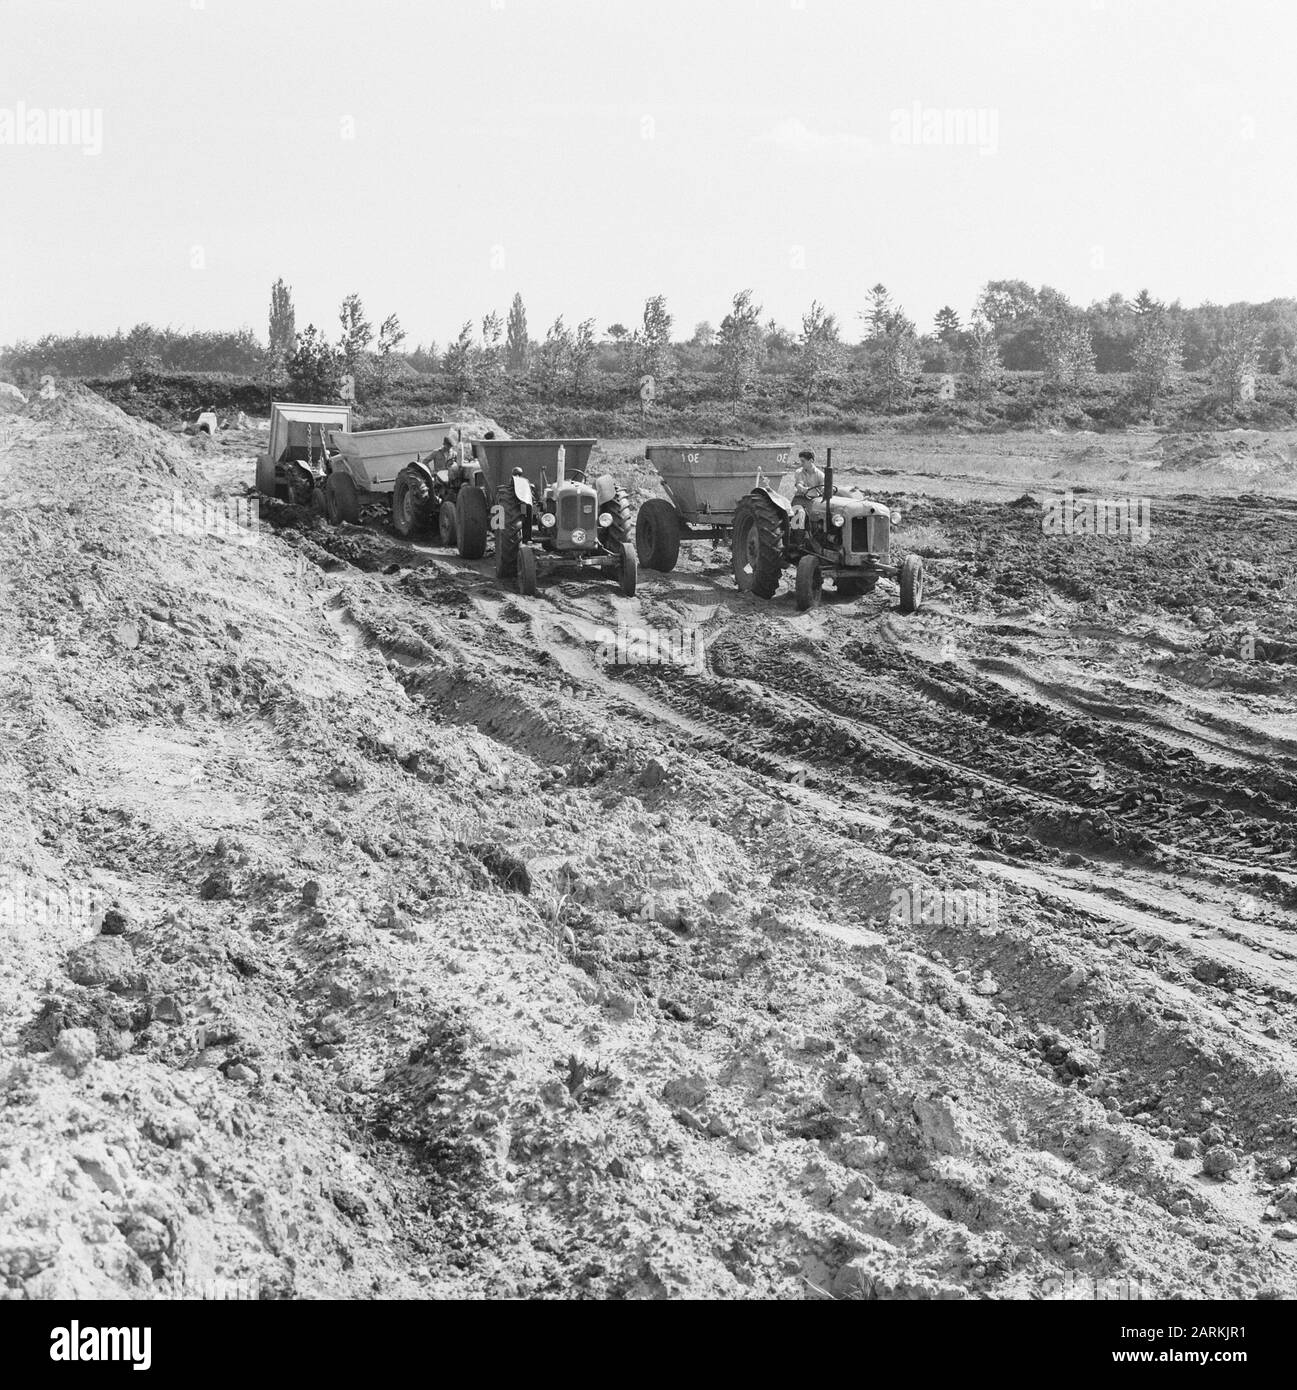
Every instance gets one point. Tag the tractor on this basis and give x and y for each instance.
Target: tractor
(426, 491)
(822, 532)
(569, 521)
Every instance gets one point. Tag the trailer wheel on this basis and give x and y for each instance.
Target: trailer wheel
(758, 546)
(508, 539)
(912, 584)
(657, 535)
(299, 484)
(526, 571)
(810, 582)
(472, 521)
(628, 570)
(340, 500)
(266, 476)
(411, 503)
(446, 528)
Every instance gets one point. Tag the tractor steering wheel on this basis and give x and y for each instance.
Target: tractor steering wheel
(812, 492)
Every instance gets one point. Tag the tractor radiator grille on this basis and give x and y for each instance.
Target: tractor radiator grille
(871, 535)
(569, 511)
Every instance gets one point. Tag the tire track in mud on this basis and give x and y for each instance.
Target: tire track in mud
(836, 739)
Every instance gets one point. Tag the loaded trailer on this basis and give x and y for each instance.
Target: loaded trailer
(293, 467)
(704, 484)
(394, 468)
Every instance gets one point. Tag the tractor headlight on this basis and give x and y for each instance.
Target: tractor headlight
(605, 519)
(839, 519)
(547, 518)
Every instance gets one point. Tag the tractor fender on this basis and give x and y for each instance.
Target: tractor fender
(422, 467)
(777, 498)
(605, 488)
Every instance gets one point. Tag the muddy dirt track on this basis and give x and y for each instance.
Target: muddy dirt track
(468, 951)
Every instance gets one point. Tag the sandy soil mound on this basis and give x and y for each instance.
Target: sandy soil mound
(1229, 451)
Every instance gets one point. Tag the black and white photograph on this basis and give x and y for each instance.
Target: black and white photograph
(648, 653)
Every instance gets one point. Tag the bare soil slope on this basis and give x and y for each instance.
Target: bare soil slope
(369, 931)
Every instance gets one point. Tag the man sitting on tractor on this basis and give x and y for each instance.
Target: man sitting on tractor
(807, 476)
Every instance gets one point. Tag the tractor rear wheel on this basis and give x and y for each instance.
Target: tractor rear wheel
(628, 571)
(411, 503)
(810, 582)
(527, 571)
(912, 584)
(508, 539)
(472, 522)
(758, 545)
(618, 507)
(657, 535)
(340, 500)
(446, 523)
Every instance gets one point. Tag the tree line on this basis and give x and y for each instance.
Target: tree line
(1012, 326)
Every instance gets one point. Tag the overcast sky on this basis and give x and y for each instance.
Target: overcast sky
(437, 157)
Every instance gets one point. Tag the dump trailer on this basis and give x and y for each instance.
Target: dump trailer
(546, 508)
(704, 485)
(389, 468)
(294, 466)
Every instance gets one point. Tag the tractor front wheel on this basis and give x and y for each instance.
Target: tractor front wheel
(340, 500)
(912, 584)
(446, 523)
(810, 582)
(628, 571)
(527, 571)
(657, 535)
(472, 522)
(758, 545)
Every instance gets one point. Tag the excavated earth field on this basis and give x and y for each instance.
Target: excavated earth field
(369, 931)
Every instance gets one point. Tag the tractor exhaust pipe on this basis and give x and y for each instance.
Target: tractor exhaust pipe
(828, 488)
(561, 474)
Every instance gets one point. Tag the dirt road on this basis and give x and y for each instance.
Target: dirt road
(470, 947)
